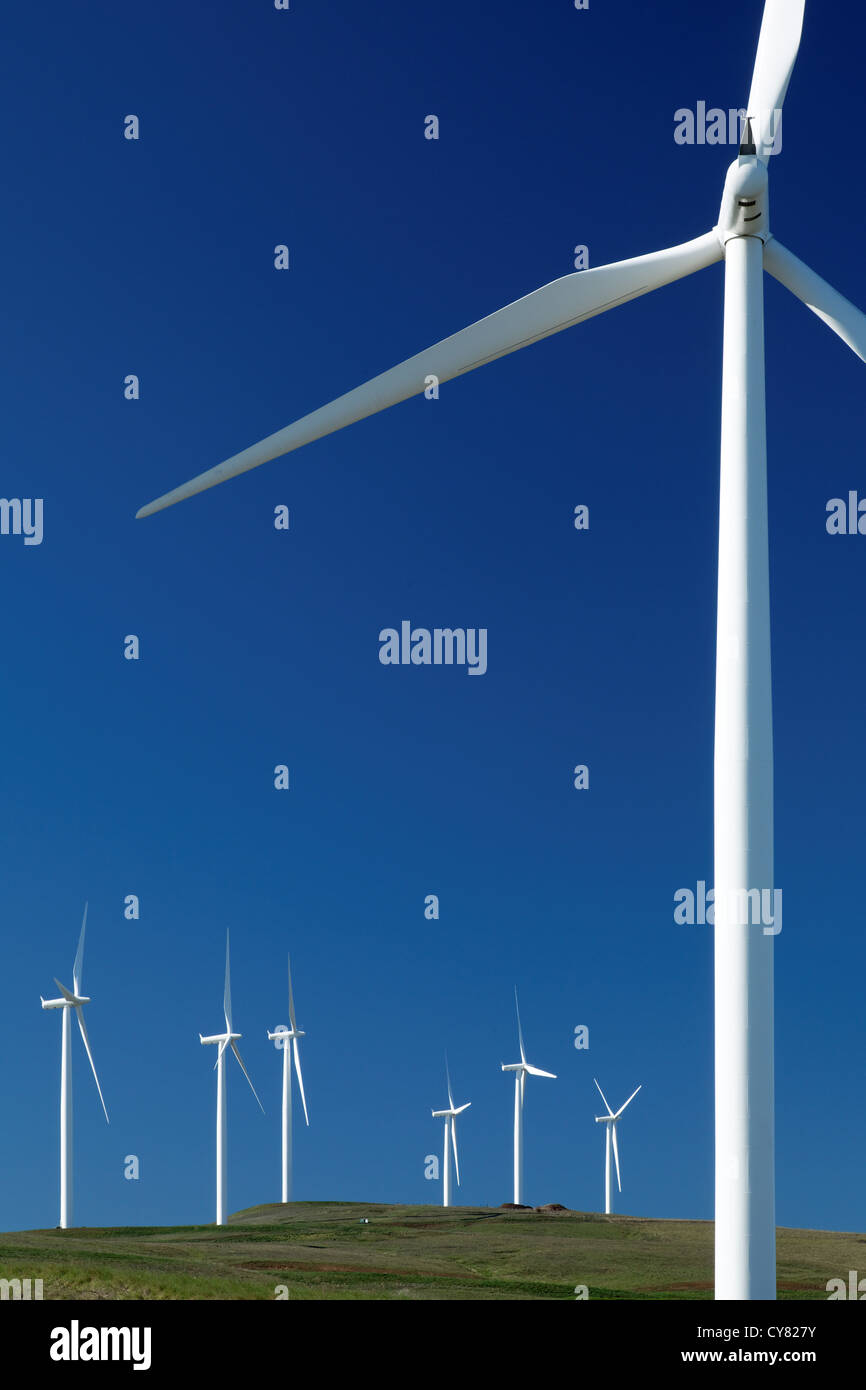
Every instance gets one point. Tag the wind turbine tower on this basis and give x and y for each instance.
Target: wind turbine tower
(287, 1041)
(521, 1070)
(610, 1121)
(450, 1118)
(223, 1041)
(71, 999)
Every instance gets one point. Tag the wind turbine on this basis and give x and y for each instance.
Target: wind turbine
(610, 1122)
(226, 1039)
(289, 1035)
(745, 1184)
(521, 1070)
(72, 999)
(450, 1118)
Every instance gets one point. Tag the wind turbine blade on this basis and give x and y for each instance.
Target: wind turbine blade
(604, 1098)
(454, 1146)
(778, 46)
(67, 993)
(460, 1108)
(628, 1102)
(448, 1084)
(222, 1047)
(537, 315)
(837, 312)
(519, 1029)
(86, 1041)
(297, 1057)
(227, 995)
(246, 1074)
(536, 1071)
(616, 1155)
(291, 1000)
(77, 969)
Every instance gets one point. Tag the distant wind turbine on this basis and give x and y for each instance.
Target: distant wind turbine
(521, 1070)
(289, 1044)
(450, 1118)
(226, 1039)
(72, 999)
(610, 1121)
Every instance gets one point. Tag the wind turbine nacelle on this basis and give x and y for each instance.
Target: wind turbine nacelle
(52, 1003)
(512, 1066)
(745, 201)
(283, 1035)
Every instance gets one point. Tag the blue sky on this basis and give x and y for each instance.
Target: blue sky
(260, 647)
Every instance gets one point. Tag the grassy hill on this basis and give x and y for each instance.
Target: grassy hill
(347, 1250)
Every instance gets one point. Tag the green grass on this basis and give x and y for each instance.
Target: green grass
(321, 1250)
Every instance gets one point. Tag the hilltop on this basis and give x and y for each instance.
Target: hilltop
(352, 1250)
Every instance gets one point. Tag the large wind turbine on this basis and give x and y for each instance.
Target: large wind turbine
(745, 1202)
(289, 1043)
(521, 1070)
(450, 1118)
(610, 1122)
(226, 1039)
(72, 999)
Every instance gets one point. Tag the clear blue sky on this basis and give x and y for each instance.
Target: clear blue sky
(260, 647)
